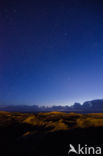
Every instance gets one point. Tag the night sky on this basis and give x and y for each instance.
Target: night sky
(51, 52)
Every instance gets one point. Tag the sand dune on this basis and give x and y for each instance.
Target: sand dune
(28, 132)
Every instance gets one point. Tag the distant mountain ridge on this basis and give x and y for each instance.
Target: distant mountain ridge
(88, 106)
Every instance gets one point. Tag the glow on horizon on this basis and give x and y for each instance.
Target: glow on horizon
(54, 56)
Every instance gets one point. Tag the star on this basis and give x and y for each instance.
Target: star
(17, 73)
(65, 34)
(14, 10)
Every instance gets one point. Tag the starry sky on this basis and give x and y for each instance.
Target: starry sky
(51, 52)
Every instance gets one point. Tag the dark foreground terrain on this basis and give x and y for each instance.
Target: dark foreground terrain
(48, 134)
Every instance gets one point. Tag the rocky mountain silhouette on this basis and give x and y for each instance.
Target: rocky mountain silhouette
(88, 106)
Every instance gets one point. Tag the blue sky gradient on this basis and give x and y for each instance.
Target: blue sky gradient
(51, 52)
